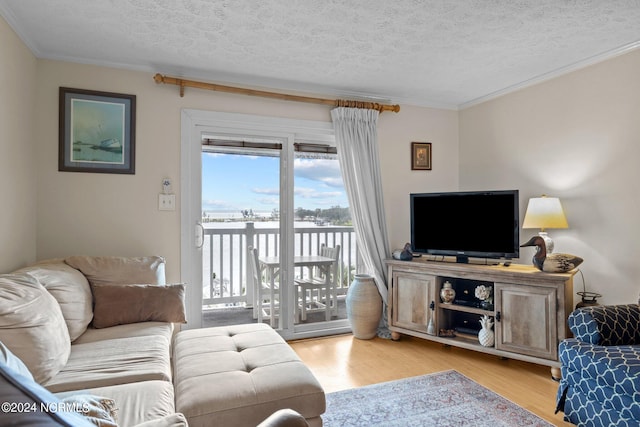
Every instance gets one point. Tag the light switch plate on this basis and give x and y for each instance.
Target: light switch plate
(166, 202)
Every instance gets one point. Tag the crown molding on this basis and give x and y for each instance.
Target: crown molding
(553, 74)
(311, 88)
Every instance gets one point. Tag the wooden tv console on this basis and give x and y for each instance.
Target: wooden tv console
(530, 307)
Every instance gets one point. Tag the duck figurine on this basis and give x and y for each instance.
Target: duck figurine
(551, 263)
(404, 254)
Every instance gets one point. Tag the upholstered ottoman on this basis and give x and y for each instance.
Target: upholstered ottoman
(239, 375)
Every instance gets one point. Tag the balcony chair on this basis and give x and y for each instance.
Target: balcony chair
(600, 383)
(266, 298)
(318, 292)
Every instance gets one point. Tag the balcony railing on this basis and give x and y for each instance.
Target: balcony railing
(226, 280)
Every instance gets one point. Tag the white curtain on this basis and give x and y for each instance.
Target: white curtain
(357, 143)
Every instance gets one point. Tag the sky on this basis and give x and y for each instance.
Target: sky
(233, 182)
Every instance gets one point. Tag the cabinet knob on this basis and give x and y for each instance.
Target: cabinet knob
(498, 316)
(432, 306)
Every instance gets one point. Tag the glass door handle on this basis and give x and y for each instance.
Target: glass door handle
(199, 235)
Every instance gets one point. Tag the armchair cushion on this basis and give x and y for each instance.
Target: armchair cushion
(616, 368)
(607, 325)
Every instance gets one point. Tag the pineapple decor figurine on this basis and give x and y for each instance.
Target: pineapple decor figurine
(486, 336)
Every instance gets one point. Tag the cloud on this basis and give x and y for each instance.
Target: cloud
(301, 192)
(272, 191)
(321, 170)
(269, 201)
(312, 193)
(217, 205)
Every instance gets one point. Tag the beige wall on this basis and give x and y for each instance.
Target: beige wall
(105, 214)
(395, 134)
(17, 152)
(576, 137)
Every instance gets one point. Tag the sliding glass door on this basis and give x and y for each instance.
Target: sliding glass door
(322, 227)
(240, 212)
(275, 189)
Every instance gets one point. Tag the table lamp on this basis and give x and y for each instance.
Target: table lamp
(545, 212)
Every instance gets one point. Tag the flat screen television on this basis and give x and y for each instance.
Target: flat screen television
(464, 224)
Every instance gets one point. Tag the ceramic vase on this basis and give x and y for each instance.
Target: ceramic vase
(447, 293)
(486, 336)
(431, 330)
(364, 307)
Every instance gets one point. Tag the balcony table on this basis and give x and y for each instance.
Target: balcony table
(271, 264)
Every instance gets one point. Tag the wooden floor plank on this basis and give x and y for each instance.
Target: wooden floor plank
(342, 362)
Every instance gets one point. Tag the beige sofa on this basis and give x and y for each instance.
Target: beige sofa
(104, 330)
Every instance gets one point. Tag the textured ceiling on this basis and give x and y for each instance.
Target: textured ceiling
(443, 53)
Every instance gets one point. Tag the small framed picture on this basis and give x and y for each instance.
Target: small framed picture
(420, 156)
(97, 132)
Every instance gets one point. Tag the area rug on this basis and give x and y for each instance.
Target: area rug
(442, 399)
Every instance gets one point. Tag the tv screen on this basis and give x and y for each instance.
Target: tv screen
(481, 224)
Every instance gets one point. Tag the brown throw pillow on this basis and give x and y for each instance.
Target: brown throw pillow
(123, 304)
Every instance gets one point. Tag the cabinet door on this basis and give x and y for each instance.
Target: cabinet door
(413, 301)
(526, 320)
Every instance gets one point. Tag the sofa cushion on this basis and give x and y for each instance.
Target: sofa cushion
(120, 270)
(99, 410)
(123, 304)
(173, 420)
(141, 329)
(70, 288)
(138, 402)
(114, 361)
(32, 325)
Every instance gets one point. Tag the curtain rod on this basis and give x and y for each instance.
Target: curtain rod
(159, 78)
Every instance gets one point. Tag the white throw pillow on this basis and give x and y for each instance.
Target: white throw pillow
(32, 326)
(70, 288)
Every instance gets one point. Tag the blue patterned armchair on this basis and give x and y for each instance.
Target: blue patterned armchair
(600, 383)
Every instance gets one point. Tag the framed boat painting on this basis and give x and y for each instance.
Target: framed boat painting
(97, 132)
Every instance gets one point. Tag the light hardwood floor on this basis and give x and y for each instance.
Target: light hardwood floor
(342, 362)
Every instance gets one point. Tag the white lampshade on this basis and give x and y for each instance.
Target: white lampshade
(545, 212)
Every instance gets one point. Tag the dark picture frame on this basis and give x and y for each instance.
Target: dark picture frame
(421, 156)
(97, 131)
